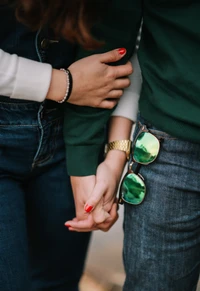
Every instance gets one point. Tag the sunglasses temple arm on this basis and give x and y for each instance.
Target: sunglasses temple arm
(137, 169)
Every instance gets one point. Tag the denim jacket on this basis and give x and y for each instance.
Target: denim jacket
(42, 46)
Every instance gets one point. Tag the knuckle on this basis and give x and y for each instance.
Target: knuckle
(104, 106)
(110, 105)
(110, 73)
(98, 220)
(129, 68)
(115, 71)
(131, 71)
(119, 93)
(114, 55)
(106, 229)
(97, 102)
(128, 82)
(90, 225)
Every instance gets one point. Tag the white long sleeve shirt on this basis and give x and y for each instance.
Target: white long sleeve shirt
(128, 103)
(22, 78)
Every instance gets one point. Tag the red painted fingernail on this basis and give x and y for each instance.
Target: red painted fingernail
(88, 208)
(68, 225)
(122, 51)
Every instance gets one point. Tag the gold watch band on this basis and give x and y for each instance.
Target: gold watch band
(121, 145)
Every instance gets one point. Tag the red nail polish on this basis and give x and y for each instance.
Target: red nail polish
(68, 225)
(88, 208)
(122, 51)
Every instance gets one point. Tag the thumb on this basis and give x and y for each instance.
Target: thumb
(95, 197)
(113, 56)
(99, 214)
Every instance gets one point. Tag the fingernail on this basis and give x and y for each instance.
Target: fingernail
(68, 225)
(122, 51)
(88, 208)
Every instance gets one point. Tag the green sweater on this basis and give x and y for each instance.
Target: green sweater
(170, 63)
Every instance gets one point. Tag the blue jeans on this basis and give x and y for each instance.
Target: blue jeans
(162, 235)
(37, 252)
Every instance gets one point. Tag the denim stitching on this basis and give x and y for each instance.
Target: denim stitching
(41, 135)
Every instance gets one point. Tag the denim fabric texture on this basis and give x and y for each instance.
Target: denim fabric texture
(35, 201)
(37, 252)
(162, 235)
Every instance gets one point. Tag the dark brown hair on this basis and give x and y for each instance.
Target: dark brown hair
(71, 19)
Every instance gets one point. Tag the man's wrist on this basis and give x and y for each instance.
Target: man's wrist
(117, 160)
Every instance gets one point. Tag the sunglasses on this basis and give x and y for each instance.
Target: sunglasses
(145, 150)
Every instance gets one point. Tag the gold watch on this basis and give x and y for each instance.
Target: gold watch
(121, 145)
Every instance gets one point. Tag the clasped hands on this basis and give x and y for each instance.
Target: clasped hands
(95, 199)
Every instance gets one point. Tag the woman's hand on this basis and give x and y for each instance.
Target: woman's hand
(95, 197)
(104, 214)
(95, 82)
(88, 224)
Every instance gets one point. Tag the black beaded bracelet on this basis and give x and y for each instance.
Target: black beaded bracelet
(69, 85)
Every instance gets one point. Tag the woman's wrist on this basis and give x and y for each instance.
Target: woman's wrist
(58, 85)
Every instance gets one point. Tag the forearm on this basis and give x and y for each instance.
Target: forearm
(119, 128)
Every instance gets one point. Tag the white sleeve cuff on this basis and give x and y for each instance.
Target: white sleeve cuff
(22, 78)
(128, 104)
(32, 80)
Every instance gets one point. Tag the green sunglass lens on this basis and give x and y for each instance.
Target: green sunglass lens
(133, 189)
(146, 148)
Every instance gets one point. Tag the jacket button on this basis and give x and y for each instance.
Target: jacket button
(45, 43)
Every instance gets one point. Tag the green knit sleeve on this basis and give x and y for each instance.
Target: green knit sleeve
(85, 127)
(84, 135)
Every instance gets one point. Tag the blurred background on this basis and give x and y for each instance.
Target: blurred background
(104, 268)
